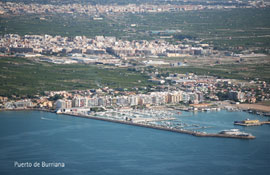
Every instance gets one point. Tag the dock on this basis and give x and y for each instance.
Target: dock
(183, 131)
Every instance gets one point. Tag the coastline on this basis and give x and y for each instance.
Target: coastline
(28, 109)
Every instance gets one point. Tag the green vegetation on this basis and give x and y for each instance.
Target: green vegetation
(97, 109)
(25, 77)
(226, 29)
(235, 29)
(60, 24)
(231, 71)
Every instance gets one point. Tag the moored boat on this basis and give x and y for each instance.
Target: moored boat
(235, 132)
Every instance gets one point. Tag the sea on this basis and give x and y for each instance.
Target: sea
(36, 142)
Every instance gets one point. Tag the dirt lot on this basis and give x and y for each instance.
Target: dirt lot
(256, 107)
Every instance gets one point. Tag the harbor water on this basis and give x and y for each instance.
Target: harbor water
(87, 146)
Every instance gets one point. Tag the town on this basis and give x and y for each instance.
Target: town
(139, 56)
(189, 90)
(104, 50)
(96, 10)
(156, 106)
(134, 87)
(152, 105)
(100, 45)
(109, 50)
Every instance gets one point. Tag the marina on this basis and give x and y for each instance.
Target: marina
(93, 146)
(169, 119)
(153, 122)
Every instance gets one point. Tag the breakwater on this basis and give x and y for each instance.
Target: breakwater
(183, 131)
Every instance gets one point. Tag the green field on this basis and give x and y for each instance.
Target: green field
(25, 77)
(63, 25)
(226, 29)
(231, 71)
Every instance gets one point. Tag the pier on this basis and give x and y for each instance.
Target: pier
(183, 131)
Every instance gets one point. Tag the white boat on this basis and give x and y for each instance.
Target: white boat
(234, 132)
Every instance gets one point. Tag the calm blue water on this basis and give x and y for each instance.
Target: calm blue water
(97, 147)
